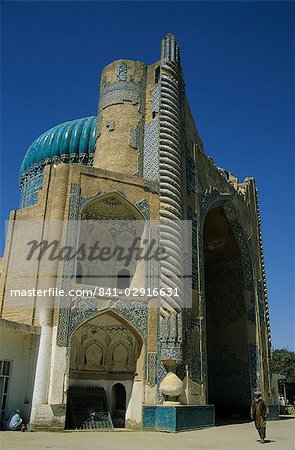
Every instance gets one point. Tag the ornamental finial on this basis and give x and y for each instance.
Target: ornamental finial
(170, 48)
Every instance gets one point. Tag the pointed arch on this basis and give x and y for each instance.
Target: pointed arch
(99, 337)
(115, 206)
(226, 265)
(110, 222)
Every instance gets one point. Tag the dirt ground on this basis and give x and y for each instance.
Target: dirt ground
(280, 436)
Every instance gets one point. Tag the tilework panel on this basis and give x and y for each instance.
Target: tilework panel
(177, 418)
(152, 368)
(122, 72)
(193, 218)
(29, 191)
(115, 93)
(224, 288)
(151, 150)
(69, 267)
(254, 366)
(156, 98)
(144, 208)
(190, 172)
(231, 378)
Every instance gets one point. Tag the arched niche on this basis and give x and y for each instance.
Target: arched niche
(105, 350)
(118, 405)
(229, 386)
(110, 226)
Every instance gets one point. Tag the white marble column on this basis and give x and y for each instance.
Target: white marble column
(40, 391)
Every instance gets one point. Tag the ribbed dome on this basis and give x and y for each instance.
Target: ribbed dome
(72, 141)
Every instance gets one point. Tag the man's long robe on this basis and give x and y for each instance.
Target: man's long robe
(258, 414)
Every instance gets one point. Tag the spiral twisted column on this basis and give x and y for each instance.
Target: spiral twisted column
(170, 176)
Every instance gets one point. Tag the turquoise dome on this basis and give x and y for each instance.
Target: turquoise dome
(69, 142)
(72, 141)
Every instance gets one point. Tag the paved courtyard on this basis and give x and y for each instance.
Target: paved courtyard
(281, 436)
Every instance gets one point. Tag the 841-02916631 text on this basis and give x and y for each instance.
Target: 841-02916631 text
(135, 292)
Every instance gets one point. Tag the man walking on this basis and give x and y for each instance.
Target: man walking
(258, 414)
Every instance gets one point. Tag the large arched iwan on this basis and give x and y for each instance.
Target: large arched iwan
(226, 319)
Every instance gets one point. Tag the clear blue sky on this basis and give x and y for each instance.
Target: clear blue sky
(238, 60)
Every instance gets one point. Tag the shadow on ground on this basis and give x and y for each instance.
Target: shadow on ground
(221, 421)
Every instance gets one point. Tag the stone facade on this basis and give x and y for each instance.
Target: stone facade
(142, 159)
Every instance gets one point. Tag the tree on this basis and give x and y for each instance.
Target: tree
(283, 363)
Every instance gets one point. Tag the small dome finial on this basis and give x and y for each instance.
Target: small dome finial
(170, 48)
(171, 35)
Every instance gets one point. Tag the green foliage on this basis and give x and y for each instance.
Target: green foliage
(283, 363)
